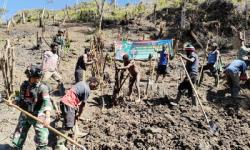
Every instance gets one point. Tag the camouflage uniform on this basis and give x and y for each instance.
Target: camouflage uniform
(34, 99)
(61, 42)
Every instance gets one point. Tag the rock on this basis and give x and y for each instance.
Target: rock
(203, 146)
(155, 130)
(158, 136)
(170, 118)
(221, 142)
(152, 148)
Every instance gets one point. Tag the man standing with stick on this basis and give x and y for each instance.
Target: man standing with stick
(163, 64)
(81, 65)
(213, 64)
(34, 98)
(192, 65)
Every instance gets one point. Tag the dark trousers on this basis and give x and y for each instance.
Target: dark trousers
(213, 71)
(185, 85)
(69, 115)
(78, 75)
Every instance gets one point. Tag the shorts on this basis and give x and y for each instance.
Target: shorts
(69, 115)
(51, 74)
(162, 69)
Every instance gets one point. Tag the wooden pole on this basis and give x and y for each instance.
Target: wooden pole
(246, 19)
(12, 71)
(196, 38)
(23, 18)
(203, 62)
(196, 93)
(154, 20)
(49, 127)
(149, 76)
(8, 26)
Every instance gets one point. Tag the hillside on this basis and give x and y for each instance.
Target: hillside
(152, 124)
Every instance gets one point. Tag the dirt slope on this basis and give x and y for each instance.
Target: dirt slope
(153, 124)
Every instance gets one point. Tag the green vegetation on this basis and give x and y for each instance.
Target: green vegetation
(87, 11)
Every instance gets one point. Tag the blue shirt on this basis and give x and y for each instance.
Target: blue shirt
(192, 67)
(163, 58)
(212, 57)
(82, 90)
(237, 66)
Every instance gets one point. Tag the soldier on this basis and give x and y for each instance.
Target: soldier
(34, 98)
(60, 40)
(72, 105)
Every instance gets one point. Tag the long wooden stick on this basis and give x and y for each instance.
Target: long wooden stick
(149, 76)
(203, 62)
(49, 127)
(196, 93)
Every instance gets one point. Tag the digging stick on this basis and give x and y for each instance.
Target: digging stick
(123, 82)
(200, 74)
(103, 100)
(75, 134)
(49, 127)
(196, 38)
(196, 93)
(104, 66)
(150, 66)
(6, 66)
(12, 69)
(116, 86)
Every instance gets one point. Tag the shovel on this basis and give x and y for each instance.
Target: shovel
(76, 130)
(49, 127)
(212, 126)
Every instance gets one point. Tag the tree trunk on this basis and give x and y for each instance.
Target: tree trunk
(23, 18)
(100, 9)
(183, 15)
(246, 5)
(155, 6)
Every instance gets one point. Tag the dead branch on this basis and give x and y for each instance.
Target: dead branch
(196, 38)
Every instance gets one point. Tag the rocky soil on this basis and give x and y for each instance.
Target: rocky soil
(153, 124)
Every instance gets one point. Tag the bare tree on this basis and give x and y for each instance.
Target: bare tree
(100, 10)
(113, 2)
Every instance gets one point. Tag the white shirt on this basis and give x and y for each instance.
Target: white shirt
(50, 61)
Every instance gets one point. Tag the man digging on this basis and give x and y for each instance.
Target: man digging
(233, 72)
(192, 65)
(134, 75)
(34, 98)
(72, 105)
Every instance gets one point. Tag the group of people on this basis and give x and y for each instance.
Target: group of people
(35, 97)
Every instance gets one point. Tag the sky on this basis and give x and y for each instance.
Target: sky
(14, 6)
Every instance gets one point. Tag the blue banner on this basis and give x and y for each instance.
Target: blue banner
(140, 50)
